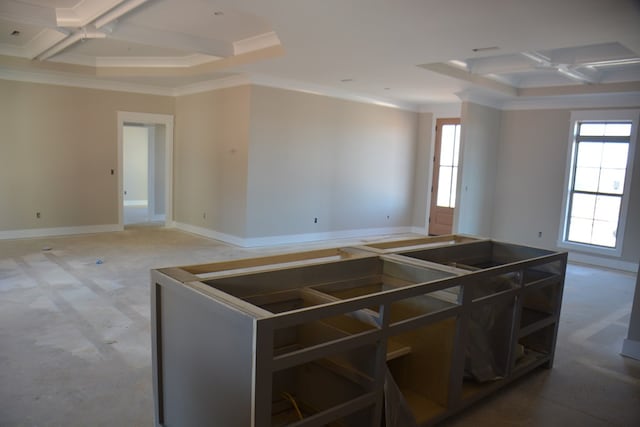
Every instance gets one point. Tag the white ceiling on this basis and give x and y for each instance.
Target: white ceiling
(408, 53)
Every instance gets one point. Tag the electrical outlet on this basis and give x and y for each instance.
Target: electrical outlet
(315, 220)
(38, 215)
(539, 234)
(388, 216)
(204, 215)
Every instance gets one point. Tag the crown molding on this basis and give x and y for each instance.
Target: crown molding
(591, 100)
(297, 86)
(258, 42)
(222, 83)
(563, 101)
(450, 109)
(481, 97)
(129, 61)
(87, 83)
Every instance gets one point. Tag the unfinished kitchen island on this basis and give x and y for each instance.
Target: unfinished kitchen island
(398, 334)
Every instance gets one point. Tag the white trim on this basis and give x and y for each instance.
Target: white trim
(58, 231)
(592, 100)
(599, 115)
(291, 238)
(419, 230)
(161, 218)
(332, 92)
(226, 82)
(186, 61)
(443, 110)
(151, 170)
(206, 232)
(615, 264)
(136, 203)
(147, 119)
(82, 82)
(631, 348)
(261, 41)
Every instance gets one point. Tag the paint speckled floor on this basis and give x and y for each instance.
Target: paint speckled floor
(75, 346)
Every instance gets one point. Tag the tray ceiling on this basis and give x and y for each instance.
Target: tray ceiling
(406, 53)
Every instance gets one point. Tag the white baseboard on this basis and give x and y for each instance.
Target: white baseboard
(206, 232)
(58, 231)
(631, 348)
(136, 203)
(420, 230)
(158, 218)
(615, 264)
(290, 238)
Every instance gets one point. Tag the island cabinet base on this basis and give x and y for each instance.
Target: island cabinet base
(398, 335)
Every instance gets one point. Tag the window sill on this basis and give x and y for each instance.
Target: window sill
(590, 249)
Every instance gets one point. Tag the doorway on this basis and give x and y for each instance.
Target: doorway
(145, 149)
(445, 176)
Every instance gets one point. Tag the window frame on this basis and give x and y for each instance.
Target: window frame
(598, 116)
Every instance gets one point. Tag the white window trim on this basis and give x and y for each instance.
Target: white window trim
(607, 115)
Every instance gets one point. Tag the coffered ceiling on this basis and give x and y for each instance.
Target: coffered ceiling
(408, 53)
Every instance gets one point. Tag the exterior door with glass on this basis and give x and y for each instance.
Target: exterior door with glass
(445, 174)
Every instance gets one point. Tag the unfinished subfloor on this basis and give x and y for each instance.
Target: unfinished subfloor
(75, 347)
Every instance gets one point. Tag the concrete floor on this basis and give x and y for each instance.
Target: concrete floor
(75, 345)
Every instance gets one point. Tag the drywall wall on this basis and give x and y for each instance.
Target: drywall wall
(631, 345)
(530, 174)
(58, 147)
(424, 170)
(351, 165)
(479, 137)
(135, 147)
(210, 160)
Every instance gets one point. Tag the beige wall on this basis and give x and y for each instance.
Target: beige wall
(58, 147)
(210, 159)
(349, 164)
(424, 171)
(479, 139)
(530, 177)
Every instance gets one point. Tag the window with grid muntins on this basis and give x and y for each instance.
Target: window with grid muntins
(598, 172)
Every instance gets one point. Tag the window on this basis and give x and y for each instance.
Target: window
(598, 182)
(448, 165)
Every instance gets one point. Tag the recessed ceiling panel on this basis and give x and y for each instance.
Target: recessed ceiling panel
(110, 47)
(201, 18)
(25, 33)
